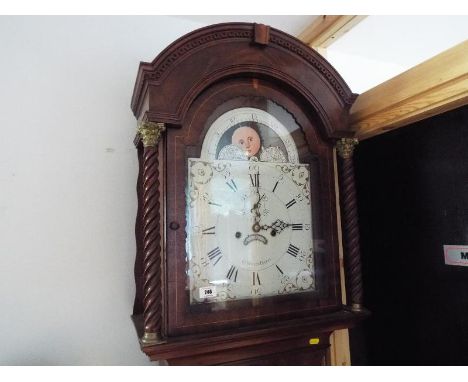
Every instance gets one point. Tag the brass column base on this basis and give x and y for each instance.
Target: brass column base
(357, 308)
(151, 339)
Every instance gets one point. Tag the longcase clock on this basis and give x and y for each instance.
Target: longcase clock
(237, 238)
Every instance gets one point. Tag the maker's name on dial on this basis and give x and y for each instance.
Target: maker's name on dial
(257, 264)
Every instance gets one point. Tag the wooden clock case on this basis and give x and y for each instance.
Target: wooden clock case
(176, 98)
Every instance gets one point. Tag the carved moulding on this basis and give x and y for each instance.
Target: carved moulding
(310, 74)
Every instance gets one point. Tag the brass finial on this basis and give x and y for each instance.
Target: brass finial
(345, 147)
(150, 132)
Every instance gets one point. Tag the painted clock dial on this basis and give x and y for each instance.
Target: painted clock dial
(274, 138)
(249, 231)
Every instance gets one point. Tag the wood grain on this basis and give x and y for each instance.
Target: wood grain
(433, 87)
(339, 348)
(326, 29)
(246, 345)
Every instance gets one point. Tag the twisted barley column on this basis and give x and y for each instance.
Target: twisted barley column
(349, 219)
(138, 270)
(152, 269)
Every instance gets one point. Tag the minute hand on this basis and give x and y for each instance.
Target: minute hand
(256, 208)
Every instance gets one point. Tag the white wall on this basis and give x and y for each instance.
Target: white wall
(67, 180)
(67, 185)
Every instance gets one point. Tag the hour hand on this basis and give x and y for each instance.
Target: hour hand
(277, 226)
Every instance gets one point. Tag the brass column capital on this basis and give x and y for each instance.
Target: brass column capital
(150, 132)
(345, 147)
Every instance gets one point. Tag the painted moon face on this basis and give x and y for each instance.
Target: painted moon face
(247, 140)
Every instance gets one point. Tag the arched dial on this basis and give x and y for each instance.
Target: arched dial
(277, 133)
(249, 230)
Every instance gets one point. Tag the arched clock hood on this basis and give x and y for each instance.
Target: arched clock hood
(166, 87)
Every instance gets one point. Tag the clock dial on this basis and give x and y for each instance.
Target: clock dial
(249, 230)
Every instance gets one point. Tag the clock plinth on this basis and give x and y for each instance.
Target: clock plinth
(237, 239)
(290, 343)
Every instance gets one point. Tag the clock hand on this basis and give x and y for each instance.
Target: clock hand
(256, 209)
(278, 226)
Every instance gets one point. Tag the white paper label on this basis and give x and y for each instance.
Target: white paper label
(207, 292)
(456, 255)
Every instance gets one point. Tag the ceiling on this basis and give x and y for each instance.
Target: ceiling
(376, 49)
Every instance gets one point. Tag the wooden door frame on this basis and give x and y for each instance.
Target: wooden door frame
(435, 86)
